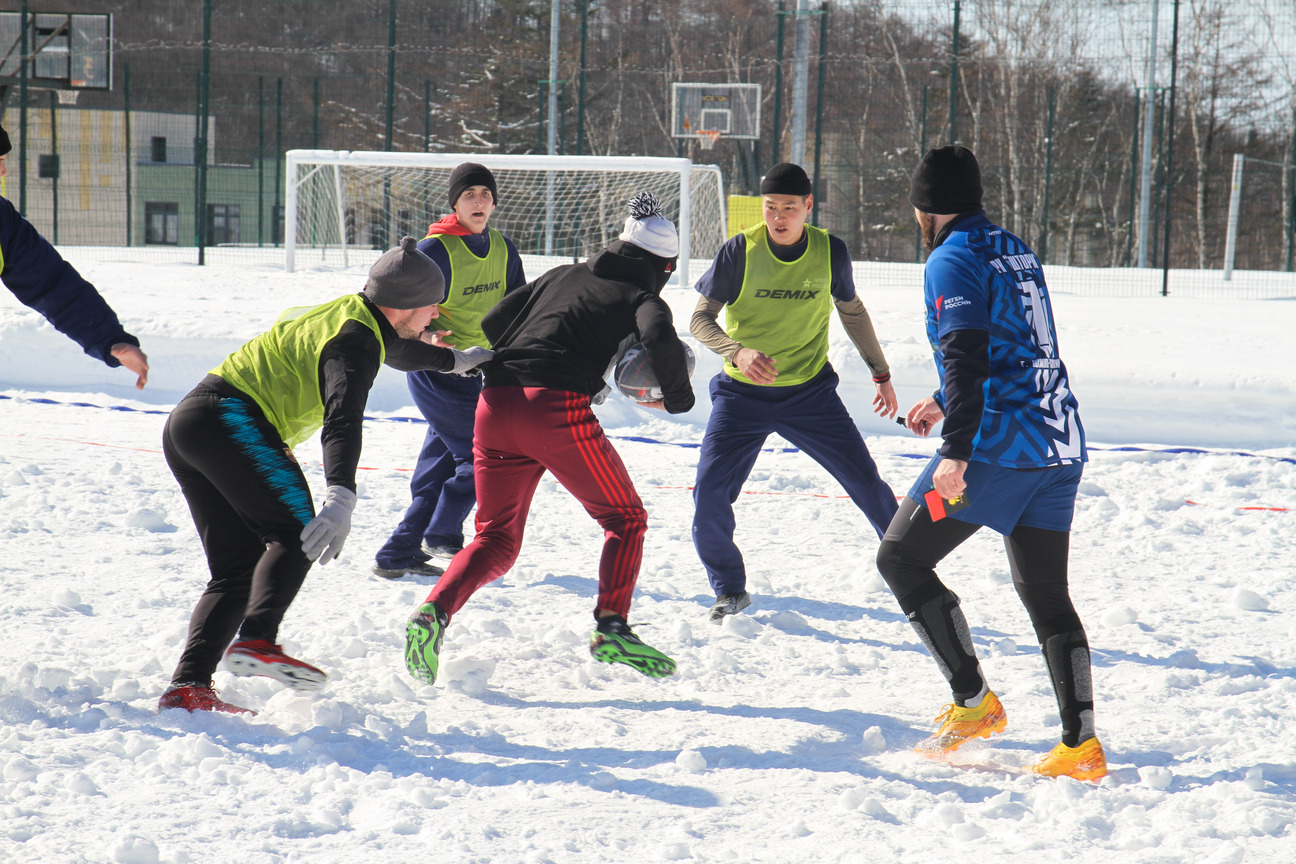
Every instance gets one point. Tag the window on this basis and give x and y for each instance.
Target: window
(222, 224)
(162, 223)
(157, 149)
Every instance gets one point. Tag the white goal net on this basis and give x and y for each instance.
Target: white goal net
(342, 205)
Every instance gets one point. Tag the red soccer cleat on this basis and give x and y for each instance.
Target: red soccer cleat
(195, 697)
(259, 657)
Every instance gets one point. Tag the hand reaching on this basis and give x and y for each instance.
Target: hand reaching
(469, 359)
(133, 359)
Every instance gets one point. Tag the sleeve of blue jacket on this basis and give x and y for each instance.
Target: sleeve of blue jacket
(39, 277)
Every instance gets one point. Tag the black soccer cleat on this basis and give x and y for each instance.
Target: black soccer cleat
(729, 604)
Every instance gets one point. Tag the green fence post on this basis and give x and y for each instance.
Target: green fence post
(126, 87)
(22, 112)
(391, 70)
(819, 100)
(278, 154)
(922, 151)
(580, 90)
(1133, 187)
(1048, 179)
(953, 108)
(205, 103)
(1169, 172)
(778, 84)
(54, 177)
(1291, 191)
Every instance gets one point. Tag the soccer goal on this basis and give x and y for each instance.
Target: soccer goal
(341, 203)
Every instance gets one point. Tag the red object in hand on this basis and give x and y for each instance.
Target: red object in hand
(940, 507)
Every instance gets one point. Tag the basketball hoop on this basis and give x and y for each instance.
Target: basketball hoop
(67, 97)
(708, 138)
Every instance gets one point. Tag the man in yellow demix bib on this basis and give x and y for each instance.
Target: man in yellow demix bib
(480, 266)
(778, 284)
(229, 445)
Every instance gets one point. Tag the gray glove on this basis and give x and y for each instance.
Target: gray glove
(322, 538)
(600, 397)
(469, 359)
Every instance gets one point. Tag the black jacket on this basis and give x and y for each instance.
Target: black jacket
(562, 330)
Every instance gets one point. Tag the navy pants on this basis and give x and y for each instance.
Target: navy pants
(810, 416)
(442, 492)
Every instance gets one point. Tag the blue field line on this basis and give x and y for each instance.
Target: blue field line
(640, 439)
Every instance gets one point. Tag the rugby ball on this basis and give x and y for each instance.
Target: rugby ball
(634, 375)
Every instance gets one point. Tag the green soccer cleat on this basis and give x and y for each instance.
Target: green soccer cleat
(615, 642)
(423, 634)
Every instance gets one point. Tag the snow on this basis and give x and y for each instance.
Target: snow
(786, 734)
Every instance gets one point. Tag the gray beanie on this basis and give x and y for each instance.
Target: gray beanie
(405, 278)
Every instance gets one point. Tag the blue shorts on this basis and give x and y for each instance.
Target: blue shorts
(1004, 498)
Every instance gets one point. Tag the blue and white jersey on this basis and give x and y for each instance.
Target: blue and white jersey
(985, 278)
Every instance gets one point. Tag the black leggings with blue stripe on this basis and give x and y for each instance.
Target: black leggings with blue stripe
(249, 501)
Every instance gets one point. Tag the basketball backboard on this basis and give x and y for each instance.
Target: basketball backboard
(64, 51)
(732, 110)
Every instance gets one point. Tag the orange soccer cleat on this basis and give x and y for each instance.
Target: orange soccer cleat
(960, 725)
(1086, 761)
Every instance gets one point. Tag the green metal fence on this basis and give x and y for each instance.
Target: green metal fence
(1105, 142)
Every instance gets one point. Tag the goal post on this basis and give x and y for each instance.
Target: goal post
(339, 203)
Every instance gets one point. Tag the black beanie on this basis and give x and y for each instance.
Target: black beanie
(471, 174)
(786, 179)
(405, 278)
(5, 146)
(946, 181)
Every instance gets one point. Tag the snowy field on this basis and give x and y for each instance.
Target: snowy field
(786, 734)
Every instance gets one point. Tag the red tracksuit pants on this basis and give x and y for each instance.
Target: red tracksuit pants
(520, 433)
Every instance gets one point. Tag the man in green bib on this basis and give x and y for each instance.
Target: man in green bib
(778, 283)
(229, 445)
(480, 266)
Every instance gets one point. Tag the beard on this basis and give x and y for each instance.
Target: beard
(927, 222)
(407, 327)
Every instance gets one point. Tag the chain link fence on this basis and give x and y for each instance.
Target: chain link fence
(1107, 142)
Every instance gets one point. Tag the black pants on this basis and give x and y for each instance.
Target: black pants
(912, 547)
(249, 501)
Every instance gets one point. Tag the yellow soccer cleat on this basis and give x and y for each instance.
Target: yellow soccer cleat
(1084, 762)
(960, 725)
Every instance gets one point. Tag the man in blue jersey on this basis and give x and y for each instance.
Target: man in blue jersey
(778, 284)
(1011, 458)
(39, 277)
(480, 266)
